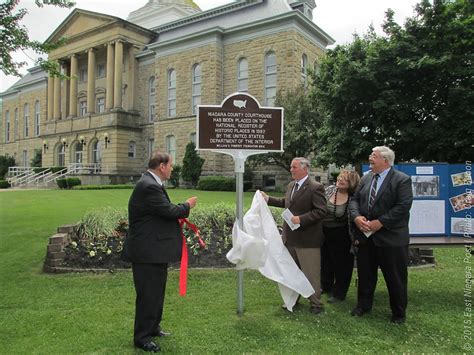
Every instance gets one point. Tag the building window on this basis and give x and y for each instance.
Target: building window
(192, 138)
(243, 75)
(26, 119)
(151, 144)
(100, 104)
(196, 89)
(7, 126)
(61, 155)
(37, 118)
(304, 68)
(171, 146)
(16, 124)
(96, 152)
(25, 158)
(100, 71)
(172, 93)
(82, 108)
(270, 79)
(78, 153)
(151, 99)
(132, 150)
(82, 75)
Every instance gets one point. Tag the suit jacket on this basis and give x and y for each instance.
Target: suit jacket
(309, 203)
(391, 207)
(154, 234)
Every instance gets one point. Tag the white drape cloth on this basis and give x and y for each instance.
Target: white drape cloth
(259, 246)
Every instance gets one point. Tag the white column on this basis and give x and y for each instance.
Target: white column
(109, 94)
(90, 81)
(73, 89)
(118, 74)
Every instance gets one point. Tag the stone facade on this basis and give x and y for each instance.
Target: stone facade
(119, 103)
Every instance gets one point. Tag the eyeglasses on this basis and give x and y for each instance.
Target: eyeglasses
(341, 179)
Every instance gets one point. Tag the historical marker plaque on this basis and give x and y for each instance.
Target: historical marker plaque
(240, 124)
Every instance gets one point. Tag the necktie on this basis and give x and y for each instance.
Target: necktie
(373, 191)
(295, 189)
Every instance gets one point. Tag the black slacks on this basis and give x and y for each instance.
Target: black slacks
(337, 262)
(150, 286)
(393, 262)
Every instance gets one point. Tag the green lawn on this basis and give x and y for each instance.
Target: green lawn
(87, 313)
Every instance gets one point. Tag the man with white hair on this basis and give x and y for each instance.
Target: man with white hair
(380, 209)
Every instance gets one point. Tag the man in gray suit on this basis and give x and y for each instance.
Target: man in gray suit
(380, 209)
(305, 198)
(154, 240)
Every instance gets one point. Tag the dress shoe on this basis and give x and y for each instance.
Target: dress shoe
(150, 347)
(161, 333)
(397, 319)
(359, 312)
(333, 299)
(316, 309)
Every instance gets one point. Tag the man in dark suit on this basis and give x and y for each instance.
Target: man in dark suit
(306, 200)
(154, 240)
(380, 208)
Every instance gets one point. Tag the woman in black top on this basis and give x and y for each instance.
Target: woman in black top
(337, 259)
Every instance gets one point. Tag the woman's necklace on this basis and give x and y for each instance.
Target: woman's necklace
(335, 206)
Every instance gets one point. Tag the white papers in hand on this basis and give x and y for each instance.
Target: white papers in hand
(287, 217)
(368, 233)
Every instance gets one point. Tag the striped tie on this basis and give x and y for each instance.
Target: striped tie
(373, 191)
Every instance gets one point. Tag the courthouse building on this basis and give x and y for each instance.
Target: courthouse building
(134, 84)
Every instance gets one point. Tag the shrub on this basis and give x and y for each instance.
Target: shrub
(55, 169)
(4, 184)
(39, 170)
(175, 175)
(192, 165)
(68, 183)
(62, 184)
(216, 183)
(72, 181)
(37, 158)
(5, 163)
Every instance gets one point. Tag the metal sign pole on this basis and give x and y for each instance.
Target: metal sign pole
(239, 189)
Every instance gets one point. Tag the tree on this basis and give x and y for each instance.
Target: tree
(5, 163)
(192, 165)
(37, 159)
(411, 90)
(301, 121)
(14, 37)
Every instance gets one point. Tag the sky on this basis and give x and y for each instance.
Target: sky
(338, 18)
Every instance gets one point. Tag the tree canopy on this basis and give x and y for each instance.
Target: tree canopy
(411, 89)
(14, 37)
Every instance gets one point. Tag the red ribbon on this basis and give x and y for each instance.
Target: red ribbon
(183, 270)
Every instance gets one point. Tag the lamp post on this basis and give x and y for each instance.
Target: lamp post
(106, 139)
(45, 146)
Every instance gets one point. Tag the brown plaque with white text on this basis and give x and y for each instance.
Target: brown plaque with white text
(240, 124)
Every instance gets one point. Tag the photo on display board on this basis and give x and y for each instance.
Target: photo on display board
(461, 202)
(425, 186)
(461, 179)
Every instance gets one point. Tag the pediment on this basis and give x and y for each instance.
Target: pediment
(80, 21)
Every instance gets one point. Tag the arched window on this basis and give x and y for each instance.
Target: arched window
(243, 75)
(196, 89)
(171, 146)
(132, 150)
(172, 93)
(61, 155)
(78, 153)
(96, 152)
(304, 68)
(37, 118)
(7, 126)
(270, 79)
(26, 119)
(151, 99)
(151, 145)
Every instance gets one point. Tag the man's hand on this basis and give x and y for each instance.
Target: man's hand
(295, 219)
(362, 223)
(374, 225)
(192, 201)
(264, 195)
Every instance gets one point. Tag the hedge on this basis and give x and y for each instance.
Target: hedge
(4, 184)
(220, 183)
(68, 183)
(104, 187)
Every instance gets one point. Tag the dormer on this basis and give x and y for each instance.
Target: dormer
(306, 7)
